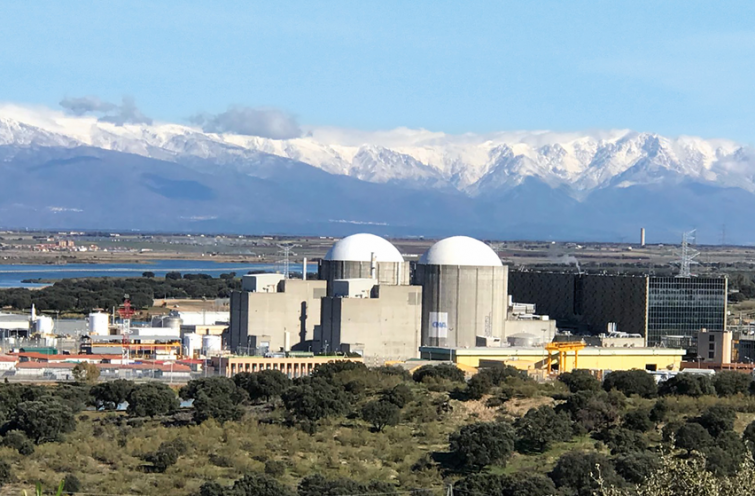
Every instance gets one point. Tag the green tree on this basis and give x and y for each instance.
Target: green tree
(259, 485)
(108, 395)
(659, 411)
(593, 410)
(400, 395)
(478, 484)
(6, 474)
(484, 443)
(528, 485)
(86, 372)
(636, 466)
(621, 440)
(631, 382)
(729, 383)
(539, 428)
(148, 275)
(638, 420)
(444, 371)
(687, 384)
(726, 455)
(43, 421)
(692, 436)
(266, 384)
(19, 441)
(214, 397)
(579, 380)
(315, 399)
(380, 413)
(152, 399)
(576, 473)
(71, 484)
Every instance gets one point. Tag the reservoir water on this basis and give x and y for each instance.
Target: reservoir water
(12, 275)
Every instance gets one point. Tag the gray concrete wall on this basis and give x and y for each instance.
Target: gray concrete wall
(295, 309)
(473, 301)
(387, 273)
(543, 330)
(386, 327)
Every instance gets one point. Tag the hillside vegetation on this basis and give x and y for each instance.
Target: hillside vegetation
(350, 430)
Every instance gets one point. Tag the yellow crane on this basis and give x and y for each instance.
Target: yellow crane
(562, 348)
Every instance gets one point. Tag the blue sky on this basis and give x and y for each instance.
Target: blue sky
(671, 67)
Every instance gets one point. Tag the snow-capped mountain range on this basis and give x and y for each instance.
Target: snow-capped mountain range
(59, 170)
(474, 164)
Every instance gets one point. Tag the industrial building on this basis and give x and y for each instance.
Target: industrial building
(464, 293)
(377, 322)
(664, 310)
(271, 313)
(538, 358)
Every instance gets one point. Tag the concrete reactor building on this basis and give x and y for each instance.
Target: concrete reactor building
(364, 256)
(464, 293)
(370, 309)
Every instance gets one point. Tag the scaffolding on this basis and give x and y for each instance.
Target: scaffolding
(562, 349)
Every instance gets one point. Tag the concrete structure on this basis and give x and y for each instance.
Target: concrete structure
(364, 256)
(201, 318)
(535, 358)
(658, 308)
(464, 293)
(642, 236)
(291, 366)
(714, 347)
(98, 323)
(380, 323)
(288, 315)
(261, 283)
(522, 320)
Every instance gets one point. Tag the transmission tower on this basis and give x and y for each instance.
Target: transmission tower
(285, 262)
(687, 254)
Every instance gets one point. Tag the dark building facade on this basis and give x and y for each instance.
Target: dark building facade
(655, 307)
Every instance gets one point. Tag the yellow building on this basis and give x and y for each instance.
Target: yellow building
(593, 358)
(291, 366)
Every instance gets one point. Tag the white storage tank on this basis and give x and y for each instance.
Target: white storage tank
(212, 345)
(98, 324)
(192, 343)
(44, 325)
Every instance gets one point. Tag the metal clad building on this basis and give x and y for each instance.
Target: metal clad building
(656, 307)
(463, 292)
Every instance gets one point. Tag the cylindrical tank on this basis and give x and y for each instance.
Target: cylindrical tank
(464, 286)
(44, 324)
(524, 340)
(172, 322)
(98, 324)
(364, 256)
(192, 343)
(211, 345)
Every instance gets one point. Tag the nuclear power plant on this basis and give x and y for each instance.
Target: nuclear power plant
(370, 302)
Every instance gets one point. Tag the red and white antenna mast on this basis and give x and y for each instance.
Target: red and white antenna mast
(126, 311)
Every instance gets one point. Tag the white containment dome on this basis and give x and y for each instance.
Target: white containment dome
(464, 293)
(364, 256)
(361, 247)
(461, 250)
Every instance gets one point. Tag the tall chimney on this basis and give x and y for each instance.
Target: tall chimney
(304, 269)
(642, 236)
(373, 265)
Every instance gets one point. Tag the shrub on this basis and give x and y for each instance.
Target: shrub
(167, 454)
(539, 428)
(400, 395)
(631, 382)
(687, 384)
(314, 399)
(6, 475)
(726, 455)
(593, 410)
(729, 383)
(659, 411)
(692, 436)
(275, 468)
(259, 485)
(576, 473)
(717, 419)
(579, 380)
(18, 441)
(445, 371)
(636, 466)
(214, 397)
(151, 399)
(638, 420)
(71, 484)
(620, 440)
(478, 445)
(380, 413)
(477, 484)
(528, 485)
